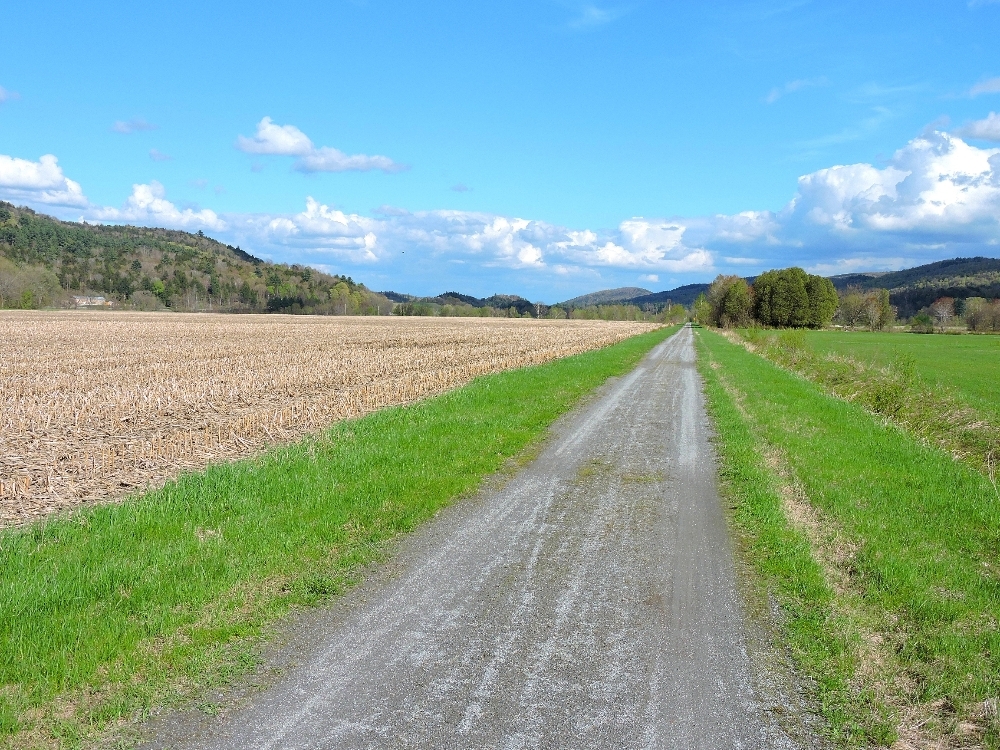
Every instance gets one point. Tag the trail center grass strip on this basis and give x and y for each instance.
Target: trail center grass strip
(898, 626)
(117, 609)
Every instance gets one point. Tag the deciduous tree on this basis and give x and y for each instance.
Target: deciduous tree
(878, 312)
(730, 301)
(943, 311)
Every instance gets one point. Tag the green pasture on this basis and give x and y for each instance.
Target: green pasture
(903, 612)
(116, 609)
(969, 365)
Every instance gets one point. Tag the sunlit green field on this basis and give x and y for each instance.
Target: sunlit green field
(970, 365)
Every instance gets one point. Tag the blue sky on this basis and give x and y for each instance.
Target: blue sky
(544, 148)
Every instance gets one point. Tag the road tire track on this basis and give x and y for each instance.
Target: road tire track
(589, 602)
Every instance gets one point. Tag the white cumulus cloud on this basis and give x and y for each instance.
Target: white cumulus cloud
(283, 140)
(317, 230)
(487, 240)
(938, 196)
(272, 139)
(42, 181)
(148, 205)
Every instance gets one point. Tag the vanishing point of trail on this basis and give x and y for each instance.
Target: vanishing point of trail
(589, 602)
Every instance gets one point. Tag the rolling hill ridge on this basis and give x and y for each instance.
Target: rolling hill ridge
(910, 290)
(44, 260)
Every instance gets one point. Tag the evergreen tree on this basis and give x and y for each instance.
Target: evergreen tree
(791, 298)
(822, 301)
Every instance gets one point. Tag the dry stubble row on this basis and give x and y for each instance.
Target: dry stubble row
(96, 405)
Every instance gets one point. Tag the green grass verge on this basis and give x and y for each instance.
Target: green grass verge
(119, 608)
(958, 363)
(893, 609)
(894, 390)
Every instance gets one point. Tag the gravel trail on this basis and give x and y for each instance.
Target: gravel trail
(589, 602)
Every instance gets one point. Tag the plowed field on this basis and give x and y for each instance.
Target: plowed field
(95, 405)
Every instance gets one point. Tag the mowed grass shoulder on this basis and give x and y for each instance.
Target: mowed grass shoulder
(967, 364)
(883, 552)
(119, 608)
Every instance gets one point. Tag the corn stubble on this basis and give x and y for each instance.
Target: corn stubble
(95, 406)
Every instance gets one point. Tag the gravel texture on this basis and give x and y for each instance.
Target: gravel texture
(591, 601)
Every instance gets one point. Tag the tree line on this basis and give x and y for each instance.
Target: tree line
(673, 314)
(979, 315)
(786, 298)
(792, 298)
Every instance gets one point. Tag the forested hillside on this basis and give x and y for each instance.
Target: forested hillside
(606, 297)
(44, 261)
(458, 304)
(914, 289)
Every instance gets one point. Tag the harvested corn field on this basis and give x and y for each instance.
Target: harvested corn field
(97, 405)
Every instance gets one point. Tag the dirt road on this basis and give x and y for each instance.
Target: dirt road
(590, 602)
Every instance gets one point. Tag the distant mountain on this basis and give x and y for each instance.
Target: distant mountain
(397, 296)
(497, 301)
(632, 295)
(682, 295)
(452, 297)
(606, 297)
(507, 301)
(44, 261)
(912, 289)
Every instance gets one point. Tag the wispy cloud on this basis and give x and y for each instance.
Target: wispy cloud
(856, 132)
(591, 16)
(461, 187)
(986, 86)
(135, 125)
(779, 9)
(987, 129)
(6, 95)
(792, 86)
(157, 155)
(272, 139)
(859, 263)
(879, 92)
